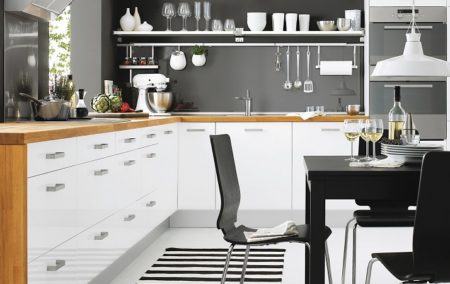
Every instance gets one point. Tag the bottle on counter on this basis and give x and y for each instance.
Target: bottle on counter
(397, 117)
(82, 110)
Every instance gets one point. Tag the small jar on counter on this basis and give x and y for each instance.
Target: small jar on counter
(150, 61)
(135, 61)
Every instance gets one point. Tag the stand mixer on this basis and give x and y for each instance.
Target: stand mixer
(143, 82)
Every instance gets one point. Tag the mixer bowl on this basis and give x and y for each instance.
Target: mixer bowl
(159, 102)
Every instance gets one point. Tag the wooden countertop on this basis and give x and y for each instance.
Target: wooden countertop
(20, 133)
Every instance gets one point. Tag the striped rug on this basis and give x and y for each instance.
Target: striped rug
(193, 265)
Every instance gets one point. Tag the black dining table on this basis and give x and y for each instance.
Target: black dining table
(332, 178)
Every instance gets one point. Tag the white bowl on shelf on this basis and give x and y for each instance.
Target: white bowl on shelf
(256, 21)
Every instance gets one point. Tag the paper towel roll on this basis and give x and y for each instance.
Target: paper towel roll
(335, 68)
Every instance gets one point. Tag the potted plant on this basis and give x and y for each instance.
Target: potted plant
(199, 55)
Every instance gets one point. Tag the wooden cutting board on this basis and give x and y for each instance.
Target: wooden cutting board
(118, 114)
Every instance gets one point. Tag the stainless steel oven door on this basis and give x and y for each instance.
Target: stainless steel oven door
(388, 40)
(427, 101)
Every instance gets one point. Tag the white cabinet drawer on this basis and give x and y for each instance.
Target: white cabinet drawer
(158, 206)
(51, 155)
(52, 210)
(150, 174)
(95, 147)
(98, 190)
(149, 136)
(128, 178)
(128, 140)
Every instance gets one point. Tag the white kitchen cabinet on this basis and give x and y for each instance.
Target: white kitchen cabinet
(94, 147)
(52, 155)
(316, 139)
(150, 159)
(52, 210)
(128, 180)
(196, 170)
(128, 140)
(99, 190)
(263, 157)
(168, 160)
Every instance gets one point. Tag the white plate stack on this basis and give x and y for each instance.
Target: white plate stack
(409, 153)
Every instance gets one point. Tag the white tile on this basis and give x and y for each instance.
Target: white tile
(369, 241)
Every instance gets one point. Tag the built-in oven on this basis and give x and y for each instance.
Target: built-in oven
(425, 97)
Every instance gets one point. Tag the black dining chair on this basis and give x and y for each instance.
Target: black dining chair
(230, 198)
(429, 261)
(380, 214)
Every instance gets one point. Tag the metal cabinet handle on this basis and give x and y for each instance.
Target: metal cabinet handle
(102, 236)
(129, 140)
(58, 264)
(151, 156)
(168, 132)
(330, 130)
(412, 86)
(56, 187)
(129, 218)
(196, 130)
(151, 136)
(407, 27)
(254, 130)
(101, 146)
(54, 156)
(151, 204)
(129, 163)
(101, 172)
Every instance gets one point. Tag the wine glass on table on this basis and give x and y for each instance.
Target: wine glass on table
(207, 14)
(168, 11)
(352, 133)
(366, 139)
(184, 11)
(374, 128)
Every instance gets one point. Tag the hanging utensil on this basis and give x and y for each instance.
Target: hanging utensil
(287, 85)
(278, 61)
(298, 82)
(308, 86)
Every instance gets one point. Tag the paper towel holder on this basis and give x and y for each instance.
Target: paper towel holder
(355, 66)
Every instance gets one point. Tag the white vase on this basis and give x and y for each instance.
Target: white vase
(137, 19)
(145, 27)
(127, 22)
(199, 60)
(178, 60)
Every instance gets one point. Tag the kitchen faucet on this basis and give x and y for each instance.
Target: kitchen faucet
(248, 103)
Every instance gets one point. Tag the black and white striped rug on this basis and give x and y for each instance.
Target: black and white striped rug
(184, 265)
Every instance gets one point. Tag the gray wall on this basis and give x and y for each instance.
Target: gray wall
(93, 49)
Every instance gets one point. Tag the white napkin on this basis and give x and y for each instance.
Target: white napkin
(384, 163)
(306, 115)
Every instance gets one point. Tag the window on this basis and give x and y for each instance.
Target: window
(60, 47)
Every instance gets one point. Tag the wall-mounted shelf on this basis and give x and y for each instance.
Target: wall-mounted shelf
(138, 67)
(244, 33)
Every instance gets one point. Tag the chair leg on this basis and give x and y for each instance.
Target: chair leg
(227, 264)
(369, 269)
(344, 261)
(328, 262)
(244, 266)
(354, 255)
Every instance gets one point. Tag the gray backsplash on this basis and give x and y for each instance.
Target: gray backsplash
(230, 71)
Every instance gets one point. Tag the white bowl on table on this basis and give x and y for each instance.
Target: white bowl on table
(256, 21)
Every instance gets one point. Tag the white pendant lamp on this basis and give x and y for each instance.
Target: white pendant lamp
(413, 63)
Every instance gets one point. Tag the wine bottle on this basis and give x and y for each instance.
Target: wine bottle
(397, 117)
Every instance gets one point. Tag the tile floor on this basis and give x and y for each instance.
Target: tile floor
(369, 240)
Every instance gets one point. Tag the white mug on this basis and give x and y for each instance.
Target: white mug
(278, 22)
(291, 22)
(304, 22)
